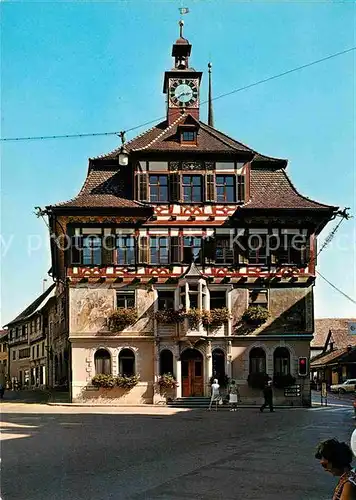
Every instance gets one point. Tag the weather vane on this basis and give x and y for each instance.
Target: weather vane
(183, 10)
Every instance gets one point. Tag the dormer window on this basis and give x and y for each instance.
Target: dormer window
(189, 136)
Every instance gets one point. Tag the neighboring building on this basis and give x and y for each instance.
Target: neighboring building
(58, 351)
(334, 351)
(185, 219)
(4, 360)
(28, 334)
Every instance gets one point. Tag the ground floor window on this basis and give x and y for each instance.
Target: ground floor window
(281, 361)
(127, 362)
(166, 362)
(257, 360)
(102, 361)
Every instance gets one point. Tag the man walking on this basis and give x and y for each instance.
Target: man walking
(268, 395)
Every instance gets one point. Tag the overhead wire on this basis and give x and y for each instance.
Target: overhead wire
(240, 89)
(344, 216)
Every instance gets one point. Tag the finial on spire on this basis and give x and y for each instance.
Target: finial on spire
(210, 99)
(181, 24)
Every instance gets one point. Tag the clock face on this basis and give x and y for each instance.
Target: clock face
(183, 92)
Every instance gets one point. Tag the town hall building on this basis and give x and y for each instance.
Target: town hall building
(190, 254)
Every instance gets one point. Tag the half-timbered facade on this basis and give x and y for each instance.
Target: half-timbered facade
(207, 245)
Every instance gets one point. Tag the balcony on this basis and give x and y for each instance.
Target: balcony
(193, 322)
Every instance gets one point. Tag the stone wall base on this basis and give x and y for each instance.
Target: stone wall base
(142, 393)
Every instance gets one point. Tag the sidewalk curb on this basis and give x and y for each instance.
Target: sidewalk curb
(103, 405)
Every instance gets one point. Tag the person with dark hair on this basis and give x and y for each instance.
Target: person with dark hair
(336, 458)
(268, 396)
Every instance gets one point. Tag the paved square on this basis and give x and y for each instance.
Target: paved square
(71, 453)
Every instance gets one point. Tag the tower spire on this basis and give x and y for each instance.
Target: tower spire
(210, 100)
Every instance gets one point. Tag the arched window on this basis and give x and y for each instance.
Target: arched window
(166, 362)
(218, 363)
(126, 362)
(281, 359)
(102, 362)
(257, 360)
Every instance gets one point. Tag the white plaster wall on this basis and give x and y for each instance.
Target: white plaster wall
(83, 370)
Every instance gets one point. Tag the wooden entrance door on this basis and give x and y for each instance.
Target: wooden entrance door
(192, 374)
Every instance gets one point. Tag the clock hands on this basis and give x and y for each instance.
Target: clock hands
(184, 93)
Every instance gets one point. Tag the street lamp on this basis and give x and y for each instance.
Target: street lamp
(123, 154)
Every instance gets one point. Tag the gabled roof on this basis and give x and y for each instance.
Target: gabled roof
(110, 186)
(338, 328)
(163, 137)
(104, 187)
(193, 272)
(272, 188)
(35, 306)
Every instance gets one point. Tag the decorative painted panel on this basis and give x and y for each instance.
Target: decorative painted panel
(89, 309)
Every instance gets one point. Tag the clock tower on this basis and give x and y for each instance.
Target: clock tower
(182, 83)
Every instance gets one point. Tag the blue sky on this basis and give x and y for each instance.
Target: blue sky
(81, 67)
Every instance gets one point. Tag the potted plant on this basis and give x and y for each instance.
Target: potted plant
(255, 315)
(127, 381)
(122, 318)
(216, 317)
(169, 316)
(281, 381)
(101, 380)
(167, 381)
(194, 317)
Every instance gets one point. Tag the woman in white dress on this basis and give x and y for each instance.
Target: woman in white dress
(215, 394)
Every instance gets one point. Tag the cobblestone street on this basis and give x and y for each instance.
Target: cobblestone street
(158, 453)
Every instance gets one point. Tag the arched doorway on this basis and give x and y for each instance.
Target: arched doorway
(219, 365)
(192, 373)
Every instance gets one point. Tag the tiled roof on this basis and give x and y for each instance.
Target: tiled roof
(339, 332)
(111, 186)
(162, 137)
(34, 306)
(330, 357)
(271, 188)
(104, 187)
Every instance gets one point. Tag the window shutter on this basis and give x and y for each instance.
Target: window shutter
(210, 187)
(175, 253)
(305, 252)
(143, 250)
(240, 188)
(108, 250)
(209, 249)
(174, 194)
(241, 248)
(315, 250)
(142, 187)
(76, 249)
